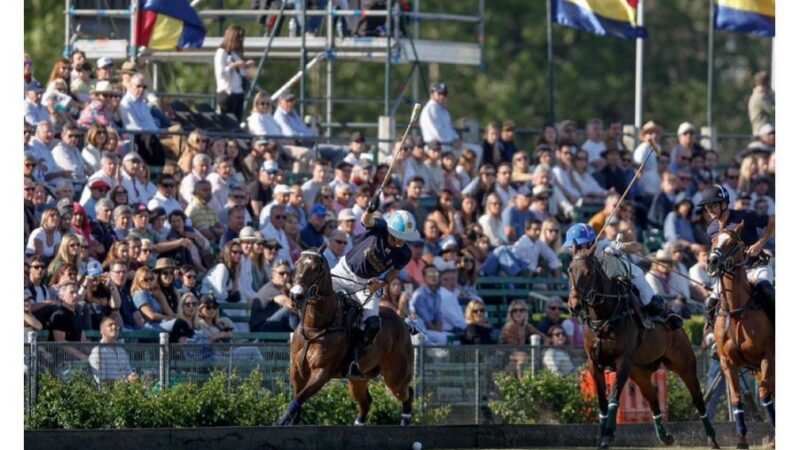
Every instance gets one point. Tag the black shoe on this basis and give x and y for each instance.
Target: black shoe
(655, 308)
(372, 326)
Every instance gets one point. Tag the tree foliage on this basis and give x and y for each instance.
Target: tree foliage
(594, 75)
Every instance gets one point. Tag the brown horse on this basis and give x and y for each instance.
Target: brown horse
(321, 346)
(743, 332)
(614, 338)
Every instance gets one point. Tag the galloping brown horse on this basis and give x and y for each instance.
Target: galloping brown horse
(744, 335)
(614, 338)
(321, 346)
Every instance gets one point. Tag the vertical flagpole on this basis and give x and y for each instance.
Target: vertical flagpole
(639, 68)
(551, 103)
(710, 79)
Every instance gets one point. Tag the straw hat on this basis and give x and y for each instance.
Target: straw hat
(650, 126)
(164, 263)
(664, 255)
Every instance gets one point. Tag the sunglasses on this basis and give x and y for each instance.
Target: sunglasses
(190, 304)
(553, 308)
(236, 252)
(340, 242)
(518, 310)
(37, 267)
(479, 311)
(190, 276)
(280, 216)
(283, 273)
(559, 334)
(149, 279)
(168, 185)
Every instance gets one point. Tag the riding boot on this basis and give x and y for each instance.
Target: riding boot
(710, 313)
(371, 328)
(766, 295)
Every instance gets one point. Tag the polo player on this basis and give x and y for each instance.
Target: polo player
(375, 255)
(615, 265)
(715, 200)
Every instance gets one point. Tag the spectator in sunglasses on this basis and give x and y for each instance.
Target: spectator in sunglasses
(479, 331)
(555, 358)
(271, 310)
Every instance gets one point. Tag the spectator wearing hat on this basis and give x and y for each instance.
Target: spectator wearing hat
(164, 271)
(201, 164)
(127, 71)
(99, 110)
(253, 272)
(347, 224)
(273, 229)
(661, 279)
(141, 219)
(436, 124)
(105, 69)
(222, 181)
(129, 178)
(341, 175)
(271, 310)
(252, 162)
(516, 215)
(531, 249)
(35, 112)
(761, 104)
(261, 188)
(540, 202)
(687, 145)
(312, 235)
(280, 197)
(595, 144)
(647, 153)
(108, 173)
(356, 148)
(98, 190)
(204, 217)
(289, 121)
(136, 116)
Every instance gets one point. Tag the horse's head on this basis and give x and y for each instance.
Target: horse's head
(581, 274)
(311, 273)
(727, 251)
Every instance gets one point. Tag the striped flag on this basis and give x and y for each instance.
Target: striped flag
(745, 16)
(168, 25)
(602, 17)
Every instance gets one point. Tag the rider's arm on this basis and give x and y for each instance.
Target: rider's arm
(368, 219)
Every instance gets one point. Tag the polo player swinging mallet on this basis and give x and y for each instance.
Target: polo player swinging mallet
(379, 251)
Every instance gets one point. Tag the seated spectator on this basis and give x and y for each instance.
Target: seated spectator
(312, 236)
(436, 124)
(150, 303)
(687, 145)
(188, 281)
(468, 214)
(136, 116)
(552, 315)
(478, 331)
(531, 249)
(164, 271)
(425, 308)
(517, 330)
(555, 358)
(223, 280)
(99, 110)
(271, 310)
(35, 285)
(68, 253)
(678, 229)
(467, 276)
(516, 215)
(452, 312)
(274, 230)
(44, 240)
(336, 245)
(67, 156)
(594, 146)
(357, 148)
(584, 182)
(61, 319)
(483, 185)
(260, 122)
(396, 297)
(599, 219)
(204, 219)
(491, 222)
(664, 200)
(661, 278)
(613, 175)
(699, 274)
(210, 323)
(110, 362)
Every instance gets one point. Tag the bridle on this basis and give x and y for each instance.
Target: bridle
(726, 262)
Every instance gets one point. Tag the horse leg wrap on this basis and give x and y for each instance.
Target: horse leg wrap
(710, 432)
(661, 432)
(405, 420)
(769, 405)
(738, 414)
(360, 421)
(611, 424)
(294, 407)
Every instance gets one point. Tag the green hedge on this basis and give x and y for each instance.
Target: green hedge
(78, 403)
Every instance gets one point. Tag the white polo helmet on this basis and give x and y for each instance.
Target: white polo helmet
(402, 225)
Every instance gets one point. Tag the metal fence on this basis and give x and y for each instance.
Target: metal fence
(458, 377)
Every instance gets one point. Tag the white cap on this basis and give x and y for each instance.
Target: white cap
(105, 61)
(282, 189)
(684, 127)
(346, 214)
(131, 156)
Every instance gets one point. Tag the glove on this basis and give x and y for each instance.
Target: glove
(374, 204)
(614, 248)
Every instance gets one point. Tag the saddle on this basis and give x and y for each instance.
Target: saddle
(655, 313)
(351, 311)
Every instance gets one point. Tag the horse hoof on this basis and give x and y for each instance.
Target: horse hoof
(668, 440)
(713, 443)
(742, 445)
(405, 422)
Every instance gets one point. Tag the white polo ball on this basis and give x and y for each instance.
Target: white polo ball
(416, 445)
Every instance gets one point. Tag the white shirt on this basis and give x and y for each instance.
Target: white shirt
(220, 187)
(493, 228)
(229, 79)
(42, 153)
(530, 251)
(35, 113)
(99, 175)
(564, 179)
(587, 184)
(698, 273)
(91, 156)
(169, 204)
(69, 158)
(135, 114)
(110, 363)
(186, 189)
(650, 181)
(435, 122)
(594, 149)
(262, 124)
(40, 235)
(138, 192)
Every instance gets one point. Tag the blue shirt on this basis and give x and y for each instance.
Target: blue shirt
(426, 304)
(141, 298)
(677, 227)
(514, 218)
(310, 237)
(371, 255)
(752, 222)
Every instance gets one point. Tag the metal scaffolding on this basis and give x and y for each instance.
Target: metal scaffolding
(391, 48)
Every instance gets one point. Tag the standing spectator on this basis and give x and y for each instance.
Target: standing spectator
(110, 362)
(478, 331)
(229, 72)
(594, 145)
(436, 124)
(271, 310)
(647, 154)
(260, 122)
(491, 144)
(44, 240)
(507, 145)
(761, 105)
(555, 358)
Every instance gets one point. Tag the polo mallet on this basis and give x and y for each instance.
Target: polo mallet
(414, 117)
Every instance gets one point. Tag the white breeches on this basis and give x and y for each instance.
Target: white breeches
(754, 275)
(350, 283)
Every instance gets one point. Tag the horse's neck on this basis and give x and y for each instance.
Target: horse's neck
(735, 289)
(321, 314)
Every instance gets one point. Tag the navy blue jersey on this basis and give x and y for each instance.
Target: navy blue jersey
(751, 221)
(371, 255)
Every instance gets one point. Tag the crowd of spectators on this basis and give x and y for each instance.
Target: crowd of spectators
(123, 223)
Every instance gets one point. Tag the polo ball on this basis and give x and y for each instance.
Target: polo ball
(416, 446)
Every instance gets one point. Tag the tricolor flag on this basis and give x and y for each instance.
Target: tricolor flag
(602, 17)
(168, 25)
(746, 16)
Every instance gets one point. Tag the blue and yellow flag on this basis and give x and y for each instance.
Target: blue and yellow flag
(169, 25)
(602, 17)
(745, 16)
